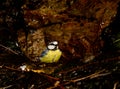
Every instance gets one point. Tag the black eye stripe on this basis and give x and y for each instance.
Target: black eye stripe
(53, 44)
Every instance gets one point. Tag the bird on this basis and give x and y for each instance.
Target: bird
(51, 54)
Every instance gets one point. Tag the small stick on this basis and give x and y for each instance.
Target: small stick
(89, 76)
(50, 77)
(56, 84)
(115, 85)
(8, 49)
(9, 68)
(6, 87)
(88, 64)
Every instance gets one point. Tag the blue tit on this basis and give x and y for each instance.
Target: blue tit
(51, 54)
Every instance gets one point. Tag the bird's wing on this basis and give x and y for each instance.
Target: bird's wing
(44, 53)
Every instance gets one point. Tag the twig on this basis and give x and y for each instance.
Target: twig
(53, 80)
(90, 76)
(50, 77)
(97, 74)
(32, 86)
(6, 87)
(56, 84)
(1, 66)
(104, 74)
(115, 85)
(6, 67)
(9, 49)
(88, 64)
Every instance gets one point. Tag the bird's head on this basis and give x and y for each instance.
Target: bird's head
(53, 45)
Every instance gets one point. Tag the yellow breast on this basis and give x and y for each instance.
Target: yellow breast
(51, 56)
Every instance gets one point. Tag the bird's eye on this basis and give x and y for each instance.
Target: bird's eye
(51, 47)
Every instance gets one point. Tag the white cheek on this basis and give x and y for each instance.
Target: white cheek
(51, 47)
